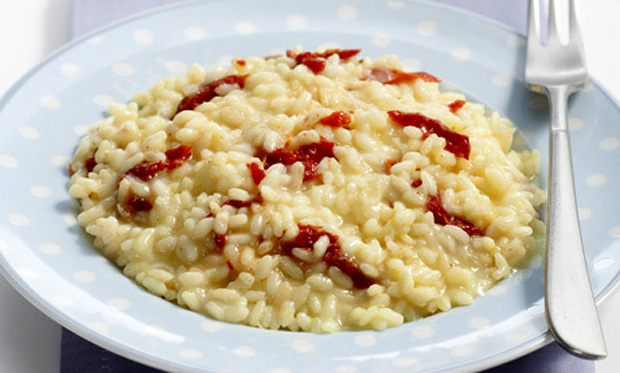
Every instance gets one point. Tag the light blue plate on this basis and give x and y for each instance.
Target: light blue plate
(45, 255)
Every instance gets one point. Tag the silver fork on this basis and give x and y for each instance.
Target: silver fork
(558, 70)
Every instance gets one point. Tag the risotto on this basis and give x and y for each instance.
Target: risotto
(308, 191)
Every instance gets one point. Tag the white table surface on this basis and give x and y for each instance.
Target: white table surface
(32, 29)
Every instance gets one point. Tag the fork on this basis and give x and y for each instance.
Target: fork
(558, 69)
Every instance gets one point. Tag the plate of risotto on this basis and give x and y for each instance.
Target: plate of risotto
(345, 187)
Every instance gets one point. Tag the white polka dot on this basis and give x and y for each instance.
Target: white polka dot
(81, 129)
(479, 323)
(276, 52)
(461, 54)
(41, 191)
(596, 180)
(297, 21)
(412, 64)
(212, 326)
(346, 369)
(19, 220)
(575, 124)
(60, 161)
(536, 310)
(50, 249)
(280, 370)
(50, 101)
(538, 102)
(498, 290)
(427, 28)
(515, 40)
(585, 213)
(604, 263)
(536, 262)
(245, 27)
(154, 329)
(194, 33)
(381, 40)
(244, 351)
(303, 346)
(615, 231)
(95, 40)
(123, 69)
(29, 132)
(143, 36)
(609, 143)
(423, 331)
(329, 45)
(69, 218)
(70, 70)
(461, 351)
(120, 303)
(176, 66)
(517, 337)
(365, 339)
(159, 332)
(501, 79)
(191, 354)
(28, 273)
(99, 327)
(103, 100)
(404, 362)
(224, 60)
(8, 161)
(62, 302)
(84, 276)
(396, 4)
(347, 12)
(522, 275)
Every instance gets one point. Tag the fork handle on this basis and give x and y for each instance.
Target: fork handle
(571, 312)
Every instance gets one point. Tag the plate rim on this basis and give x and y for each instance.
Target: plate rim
(15, 280)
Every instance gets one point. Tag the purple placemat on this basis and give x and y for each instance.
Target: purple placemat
(79, 355)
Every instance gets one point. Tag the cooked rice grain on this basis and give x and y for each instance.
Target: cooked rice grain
(200, 232)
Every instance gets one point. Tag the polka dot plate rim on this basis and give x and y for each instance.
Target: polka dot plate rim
(49, 260)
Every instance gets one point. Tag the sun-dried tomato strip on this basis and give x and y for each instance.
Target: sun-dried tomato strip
(257, 172)
(344, 54)
(337, 119)
(145, 171)
(90, 164)
(220, 240)
(310, 155)
(134, 204)
(394, 76)
(456, 143)
(281, 155)
(456, 105)
(416, 182)
(236, 203)
(443, 217)
(388, 165)
(306, 238)
(177, 156)
(207, 92)
(316, 61)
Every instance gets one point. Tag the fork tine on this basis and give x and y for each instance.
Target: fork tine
(553, 32)
(573, 25)
(533, 32)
